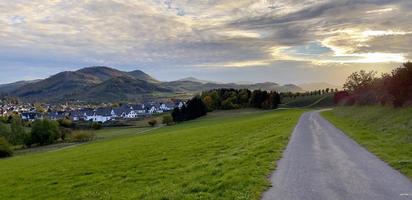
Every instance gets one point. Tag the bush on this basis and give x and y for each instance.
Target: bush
(167, 119)
(152, 122)
(96, 126)
(67, 123)
(65, 132)
(82, 136)
(5, 150)
(43, 132)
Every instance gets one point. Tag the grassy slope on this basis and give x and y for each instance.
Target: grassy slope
(386, 132)
(227, 157)
(325, 100)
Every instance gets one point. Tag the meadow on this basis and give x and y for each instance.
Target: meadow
(384, 131)
(312, 101)
(226, 155)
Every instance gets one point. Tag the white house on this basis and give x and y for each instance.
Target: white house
(99, 115)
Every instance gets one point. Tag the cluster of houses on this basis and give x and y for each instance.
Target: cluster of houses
(127, 111)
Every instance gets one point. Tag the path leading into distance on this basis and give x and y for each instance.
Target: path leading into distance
(322, 163)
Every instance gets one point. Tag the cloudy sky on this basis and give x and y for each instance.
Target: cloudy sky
(285, 41)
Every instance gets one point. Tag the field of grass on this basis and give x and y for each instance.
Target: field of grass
(108, 133)
(223, 156)
(314, 101)
(384, 131)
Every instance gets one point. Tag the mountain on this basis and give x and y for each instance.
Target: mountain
(193, 79)
(190, 86)
(318, 86)
(123, 88)
(142, 76)
(104, 84)
(9, 87)
(89, 84)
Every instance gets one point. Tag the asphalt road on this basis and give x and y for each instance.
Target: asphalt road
(322, 163)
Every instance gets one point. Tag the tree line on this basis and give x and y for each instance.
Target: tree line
(225, 99)
(365, 88)
(294, 95)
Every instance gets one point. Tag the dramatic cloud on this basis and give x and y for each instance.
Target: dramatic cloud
(204, 37)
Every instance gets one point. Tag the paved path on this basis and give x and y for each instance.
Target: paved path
(321, 163)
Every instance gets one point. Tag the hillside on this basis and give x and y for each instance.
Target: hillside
(94, 84)
(6, 88)
(104, 84)
(311, 101)
(121, 88)
(222, 156)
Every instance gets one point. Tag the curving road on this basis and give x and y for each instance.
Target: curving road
(321, 163)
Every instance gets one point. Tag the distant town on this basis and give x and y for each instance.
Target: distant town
(96, 113)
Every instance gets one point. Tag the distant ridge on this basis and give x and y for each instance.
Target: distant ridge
(105, 84)
(193, 79)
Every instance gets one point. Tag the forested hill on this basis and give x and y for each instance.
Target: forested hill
(105, 84)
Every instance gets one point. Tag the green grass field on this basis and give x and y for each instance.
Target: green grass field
(384, 131)
(222, 156)
(314, 101)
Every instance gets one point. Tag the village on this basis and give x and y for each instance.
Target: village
(101, 113)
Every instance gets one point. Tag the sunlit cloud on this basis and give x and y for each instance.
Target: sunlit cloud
(380, 11)
(240, 33)
(374, 33)
(248, 63)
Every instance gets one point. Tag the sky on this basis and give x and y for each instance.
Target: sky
(283, 41)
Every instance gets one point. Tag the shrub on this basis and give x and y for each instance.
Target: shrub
(82, 136)
(65, 132)
(152, 122)
(167, 119)
(5, 150)
(67, 123)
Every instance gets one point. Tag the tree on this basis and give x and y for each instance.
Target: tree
(5, 131)
(258, 97)
(195, 108)
(18, 133)
(244, 97)
(167, 119)
(400, 85)
(209, 103)
(39, 108)
(178, 114)
(5, 150)
(152, 122)
(359, 80)
(43, 132)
